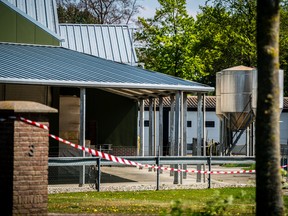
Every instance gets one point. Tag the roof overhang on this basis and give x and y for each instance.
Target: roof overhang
(133, 91)
(58, 66)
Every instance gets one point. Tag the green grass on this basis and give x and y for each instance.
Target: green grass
(157, 202)
(237, 165)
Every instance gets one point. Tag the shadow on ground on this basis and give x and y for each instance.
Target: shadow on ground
(74, 179)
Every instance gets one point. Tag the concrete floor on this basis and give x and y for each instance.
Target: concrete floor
(124, 178)
(133, 175)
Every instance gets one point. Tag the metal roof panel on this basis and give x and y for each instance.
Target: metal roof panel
(48, 65)
(112, 42)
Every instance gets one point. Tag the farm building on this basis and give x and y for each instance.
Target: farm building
(228, 117)
(212, 125)
(42, 62)
(86, 94)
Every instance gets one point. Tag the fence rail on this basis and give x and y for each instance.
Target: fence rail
(150, 160)
(167, 160)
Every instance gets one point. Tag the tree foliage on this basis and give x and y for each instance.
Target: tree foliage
(97, 11)
(226, 32)
(229, 29)
(71, 12)
(169, 40)
(222, 35)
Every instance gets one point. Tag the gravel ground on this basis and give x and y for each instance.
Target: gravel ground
(133, 179)
(52, 189)
(71, 188)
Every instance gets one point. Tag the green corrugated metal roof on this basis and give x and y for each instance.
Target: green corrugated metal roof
(58, 66)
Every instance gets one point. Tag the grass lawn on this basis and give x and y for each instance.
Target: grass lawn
(233, 201)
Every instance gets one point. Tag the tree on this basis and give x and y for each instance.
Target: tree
(283, 43)
(269, 199)
(169, 40)
(226, 36)
(71, 12)
(98, 11)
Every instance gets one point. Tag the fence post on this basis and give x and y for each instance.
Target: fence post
(209, 175)
(158, 171)
(98, 173)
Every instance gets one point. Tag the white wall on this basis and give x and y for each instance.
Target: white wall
(284, 128)
(146, 131)
(211, 132)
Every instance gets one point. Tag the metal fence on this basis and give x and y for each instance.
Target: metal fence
(87, 170)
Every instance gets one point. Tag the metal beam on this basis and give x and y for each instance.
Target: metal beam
(82, 116)
(172, 125)
(199, 132)
(141, 132)
(160, 150)
(154, 127)
(177, 133)
(133, 91)
(150, 126)
(82, 130)
(121, 93)
(165, 160)
(199, 124)
(177, 124)
(204, 125)
(184, 124)
(154, 92)
(184, 132)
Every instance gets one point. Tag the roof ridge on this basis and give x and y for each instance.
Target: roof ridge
(26, 44)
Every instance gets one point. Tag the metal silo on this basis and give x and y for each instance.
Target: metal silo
(236, 102)
(218, 95)
(281, 93)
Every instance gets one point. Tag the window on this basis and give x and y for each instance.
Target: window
(146, 123)
(209, 124)
(189, 123)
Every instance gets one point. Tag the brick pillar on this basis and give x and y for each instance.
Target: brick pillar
(23, 159)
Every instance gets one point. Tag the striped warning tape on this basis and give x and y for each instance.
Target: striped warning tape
(132, 163)
(97, 153)
(34, 123)
(128, 162)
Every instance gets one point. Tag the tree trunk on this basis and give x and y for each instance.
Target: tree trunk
(269, 199)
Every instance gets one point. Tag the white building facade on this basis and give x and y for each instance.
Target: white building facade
(212, 127)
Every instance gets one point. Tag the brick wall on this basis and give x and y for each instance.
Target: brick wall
(26, 154)
(124, 151)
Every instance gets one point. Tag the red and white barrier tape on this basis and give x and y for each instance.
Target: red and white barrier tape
(97, 153)
(35, 123)
(128, 162)
(132, 163)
